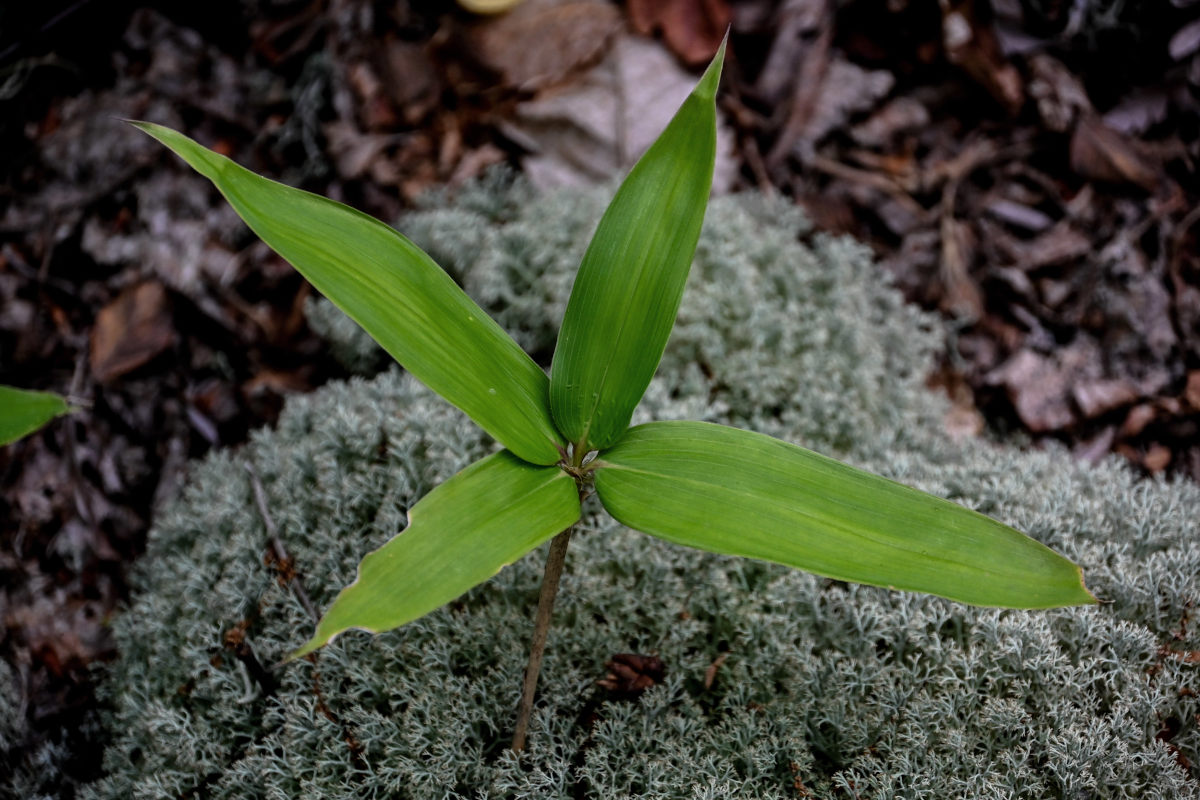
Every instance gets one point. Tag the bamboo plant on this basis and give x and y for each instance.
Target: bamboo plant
(707, 486)
(23, 411)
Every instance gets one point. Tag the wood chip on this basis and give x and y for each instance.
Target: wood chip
(1018, 215)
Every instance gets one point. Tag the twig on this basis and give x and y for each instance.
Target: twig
(758, 167)
(280, 552)
(874, 180)
(541, 628)
(961, 297)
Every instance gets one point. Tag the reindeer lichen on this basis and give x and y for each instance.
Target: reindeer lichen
(819, 689)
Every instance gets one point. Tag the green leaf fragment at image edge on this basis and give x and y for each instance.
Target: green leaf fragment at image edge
(459, 535)
(627, 292)
(739, 493)
(22, 412)
(396, 292)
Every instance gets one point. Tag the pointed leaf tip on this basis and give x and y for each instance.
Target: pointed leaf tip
(23, 411)
(399, 296)
(739, 493)
(711, 79)
(627, 292)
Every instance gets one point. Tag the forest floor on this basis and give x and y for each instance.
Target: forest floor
(1028, 169)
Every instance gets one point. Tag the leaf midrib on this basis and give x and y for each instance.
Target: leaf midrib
(707, 488)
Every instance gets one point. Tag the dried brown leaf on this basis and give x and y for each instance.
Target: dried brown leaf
(848, 89)
(1097, 447)
(970, 42)
(1060, 244)
(1102, 154)
(961, 296)
(601, 123)
(710, 674)
(541, 43)
(1136, 420)
(692, 29)
(1157, 457)
(1059, 95)
(411, 80)
(1096, 397)
(1036, 389)
(1192, 393)
(131, 330)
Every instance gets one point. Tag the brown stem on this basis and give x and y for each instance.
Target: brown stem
(541, 629)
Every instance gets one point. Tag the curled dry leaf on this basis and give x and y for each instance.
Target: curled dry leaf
(1038, 388)
(847, 89)
(1136, 420)
(541, 42)
(583, 134)
(131, 330)
(1098, 397)
(692, 29)
(970, 42)
(1100, 153)
(710, 674)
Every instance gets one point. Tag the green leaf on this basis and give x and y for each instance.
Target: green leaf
(627, 292)
(459, 535)
(398, 295)
(22, 412)
(740, 493)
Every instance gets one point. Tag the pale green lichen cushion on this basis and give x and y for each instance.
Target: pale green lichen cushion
(826, 690)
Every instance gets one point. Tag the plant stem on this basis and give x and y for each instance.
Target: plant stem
(541, 629)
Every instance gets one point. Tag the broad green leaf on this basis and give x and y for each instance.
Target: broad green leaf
(627, 292)
(398, 295)
(746, 494)
(22, 412)
(459, 535)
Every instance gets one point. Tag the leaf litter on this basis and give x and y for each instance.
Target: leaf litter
(1036, 188)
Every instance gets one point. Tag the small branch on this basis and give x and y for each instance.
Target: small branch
(277, 548)
(541, 629)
